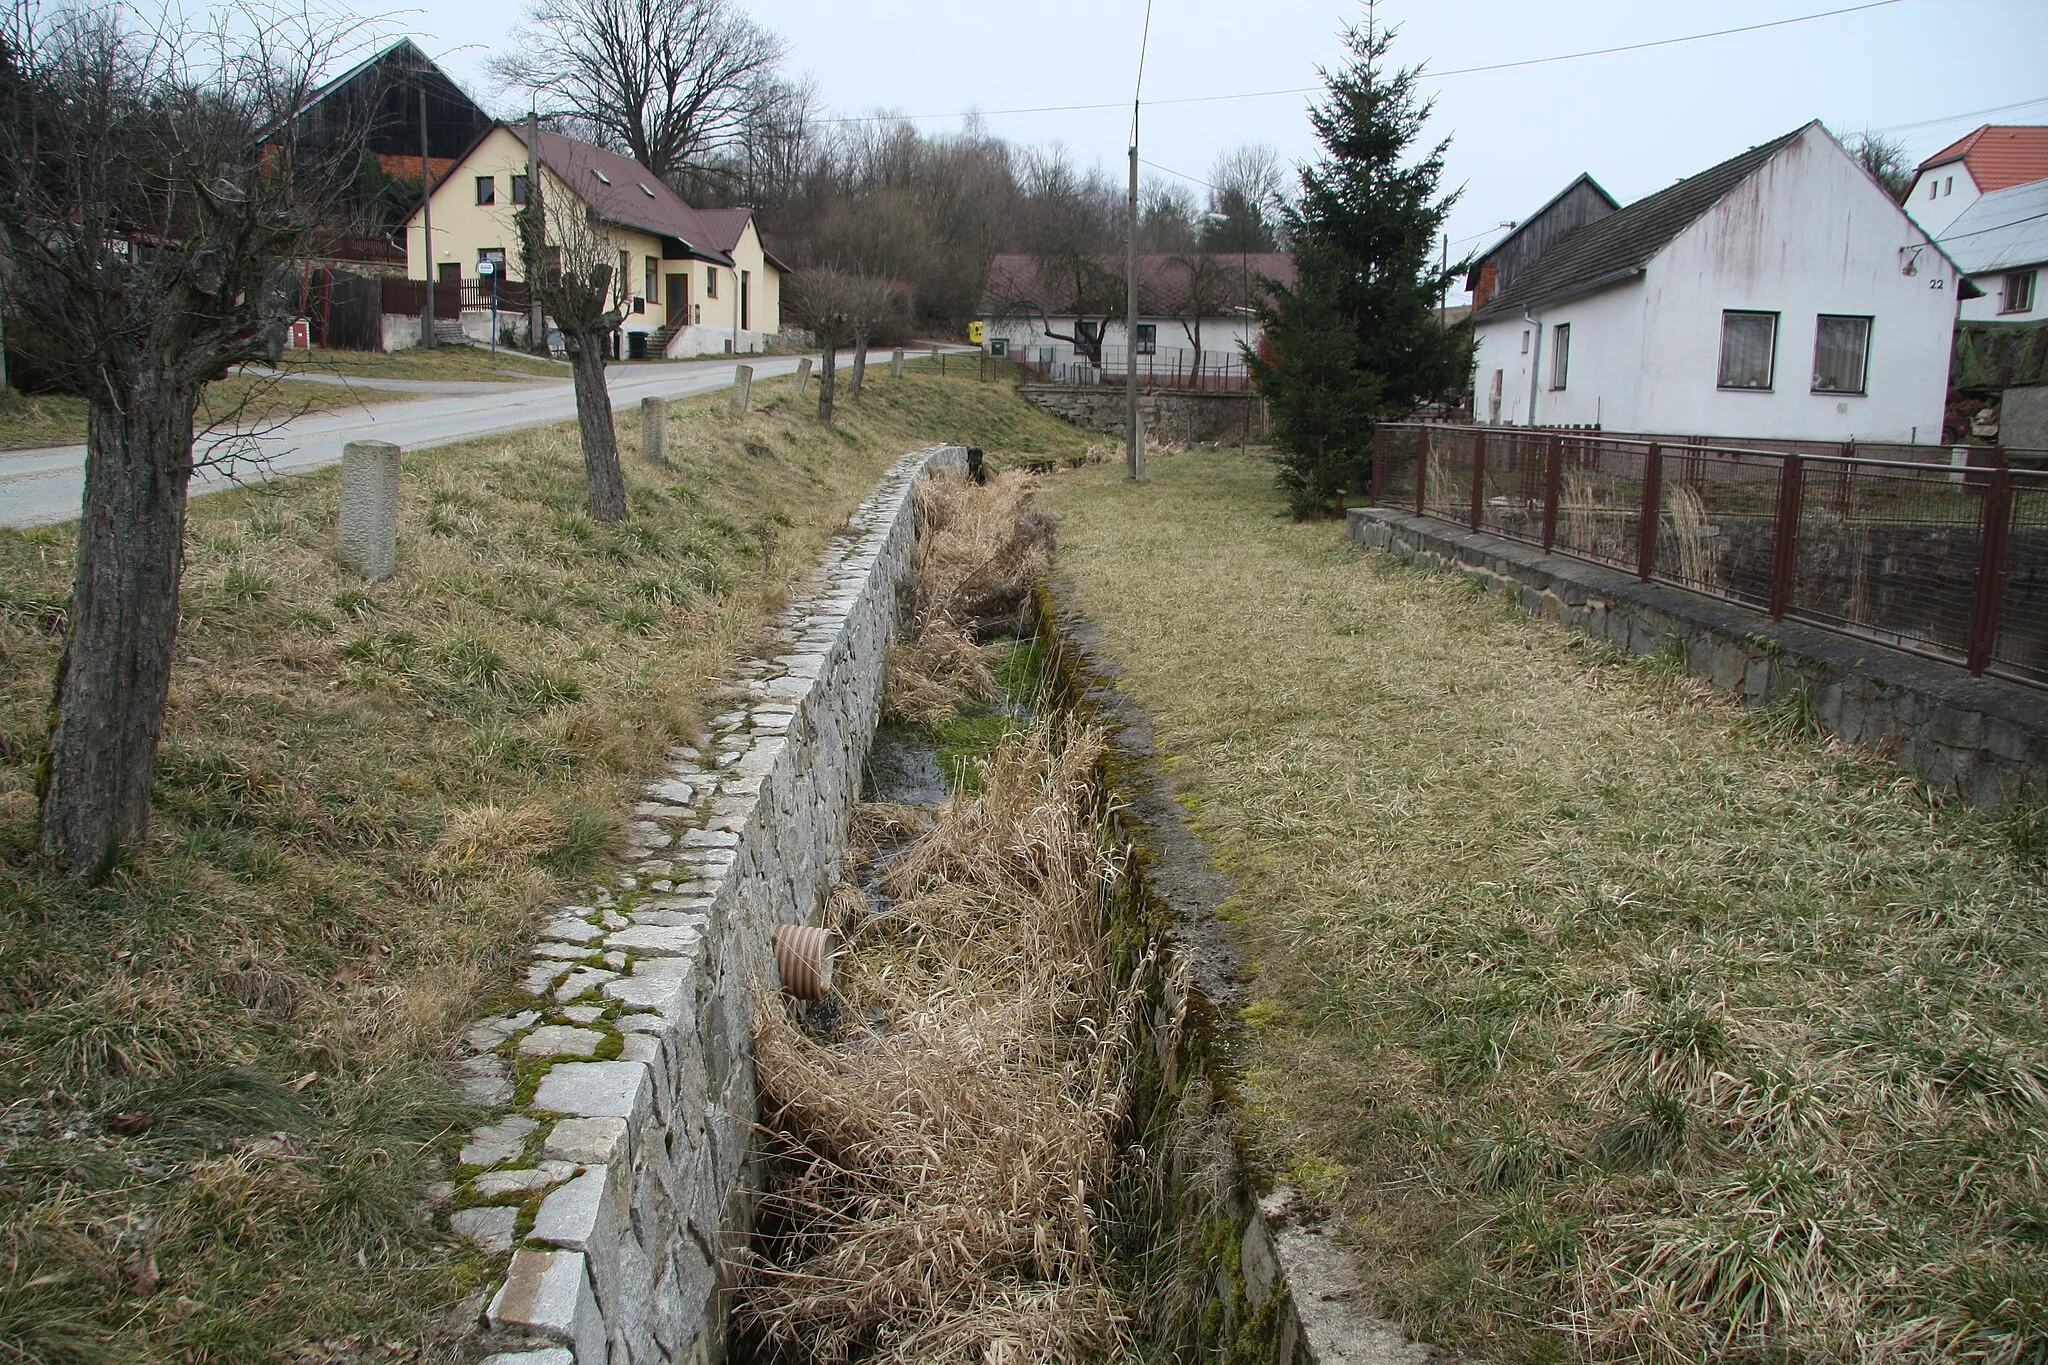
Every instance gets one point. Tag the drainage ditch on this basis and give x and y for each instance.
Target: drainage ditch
(1004, 1133)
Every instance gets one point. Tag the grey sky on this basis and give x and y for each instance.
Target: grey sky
(1635, 121)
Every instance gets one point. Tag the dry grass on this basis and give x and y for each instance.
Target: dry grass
(940, 1168)
(1614, 1023)
(32, 420)
(220, 1074)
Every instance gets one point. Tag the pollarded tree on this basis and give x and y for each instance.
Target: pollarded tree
(152, 190)
(1363, 232)
(569, 262)
(829, 302)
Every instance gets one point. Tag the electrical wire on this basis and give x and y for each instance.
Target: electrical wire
(1956, 118)
(1996, 227)
(1315, 89)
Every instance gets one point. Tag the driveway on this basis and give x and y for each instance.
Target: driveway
(42, 486)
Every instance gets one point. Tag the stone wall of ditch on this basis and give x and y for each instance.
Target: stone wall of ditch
(622, 1161)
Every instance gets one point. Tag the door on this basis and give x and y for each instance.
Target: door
(448, 290)
(677, 298)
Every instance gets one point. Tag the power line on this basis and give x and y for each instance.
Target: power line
(1997, 227)
(1313, 89)
(1953, 118)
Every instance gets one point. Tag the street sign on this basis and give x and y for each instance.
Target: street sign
(486, 267)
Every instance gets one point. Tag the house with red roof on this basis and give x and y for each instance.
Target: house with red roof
(689, 281)
(1994, 157)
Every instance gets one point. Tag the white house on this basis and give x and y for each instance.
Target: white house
(1066, 315)
(1779, 294)
(1994, 157)
(2001, 243)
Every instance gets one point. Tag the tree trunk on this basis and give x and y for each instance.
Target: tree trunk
(114, 677)
(828, 375)
(601, 473)
(860, 370)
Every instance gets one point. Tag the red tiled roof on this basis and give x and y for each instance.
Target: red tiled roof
(1999, 155)
(1016, 284)
(624, 192)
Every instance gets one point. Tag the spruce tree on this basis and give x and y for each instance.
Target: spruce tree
(1356, 339)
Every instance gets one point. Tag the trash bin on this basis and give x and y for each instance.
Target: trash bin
(636, 345)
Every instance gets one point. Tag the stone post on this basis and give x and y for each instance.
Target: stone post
(654, 431)
(368, 527)
(896, 363)
(803, 376)
(742, 387)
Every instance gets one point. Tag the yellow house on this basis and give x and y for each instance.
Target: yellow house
(690, 281)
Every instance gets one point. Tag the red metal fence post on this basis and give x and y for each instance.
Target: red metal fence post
(1785, 541)
(1552, 476)
(1653, 506)
(1991, 544)
(1478, 479)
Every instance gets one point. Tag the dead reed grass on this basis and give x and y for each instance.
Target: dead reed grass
(941, 1169)
(1612, 1022)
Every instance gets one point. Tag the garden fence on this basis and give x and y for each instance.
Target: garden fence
(1943, 560)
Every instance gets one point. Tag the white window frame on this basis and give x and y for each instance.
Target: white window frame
(1721, 365)
(1863, 372)
(1148, 338)
(1560, 356)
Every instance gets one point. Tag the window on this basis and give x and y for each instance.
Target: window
(644, 190)
(495, 255)
(1148, 338)
(1948, 186)
(1933, 188)
(602, 178)
(653, 290)
(1525, 341)
(1086, 330)
(1560, 354)
(1841, 354)
(487, 189)
(2019, 292)
(518, 189)
(1749, 349)
(710, 281)
(619, 285)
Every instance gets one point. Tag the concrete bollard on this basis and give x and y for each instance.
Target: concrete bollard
(654, 431)
(742, 387)
(896, 363)
(803, 375)
(368, 527)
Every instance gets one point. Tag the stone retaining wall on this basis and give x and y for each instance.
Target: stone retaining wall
(1984, 738)
(622, 1162)
(1177, 415)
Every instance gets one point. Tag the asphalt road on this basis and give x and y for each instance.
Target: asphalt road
(42, 486)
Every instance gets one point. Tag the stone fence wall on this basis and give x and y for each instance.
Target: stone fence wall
(1178, 415)
(1984, 738)
(623, 1159)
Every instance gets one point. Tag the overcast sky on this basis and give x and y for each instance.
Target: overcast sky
(1636, 120)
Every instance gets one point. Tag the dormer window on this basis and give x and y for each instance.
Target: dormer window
(644, 190)
(602, 177)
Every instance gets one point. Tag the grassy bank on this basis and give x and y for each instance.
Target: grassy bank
(1611, 1021)
(221, 1083)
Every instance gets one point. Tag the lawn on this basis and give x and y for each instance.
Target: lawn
(1609, 1021)
(221, 1074)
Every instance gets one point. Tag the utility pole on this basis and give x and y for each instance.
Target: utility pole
(426, 226)
(536, 322)
(1134, 447)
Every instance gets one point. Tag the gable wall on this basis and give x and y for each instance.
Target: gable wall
(1809, 233)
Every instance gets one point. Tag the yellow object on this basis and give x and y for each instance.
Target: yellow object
(974, 331)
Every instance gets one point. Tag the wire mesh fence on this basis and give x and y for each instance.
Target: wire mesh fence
(1941, 559)
(1158, 368)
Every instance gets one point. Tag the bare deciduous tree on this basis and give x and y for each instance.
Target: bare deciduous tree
(1248, 188)
(144, 222)
(830, 303)
(668, 82)
(569, 261)
(1886, 158)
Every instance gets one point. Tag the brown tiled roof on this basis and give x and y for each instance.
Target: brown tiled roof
(1016, 284)
(1999, 155)
(729, 225)
(624, 192)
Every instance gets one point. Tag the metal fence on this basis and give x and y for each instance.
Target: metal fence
(1943, 560)
(1165, 368)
